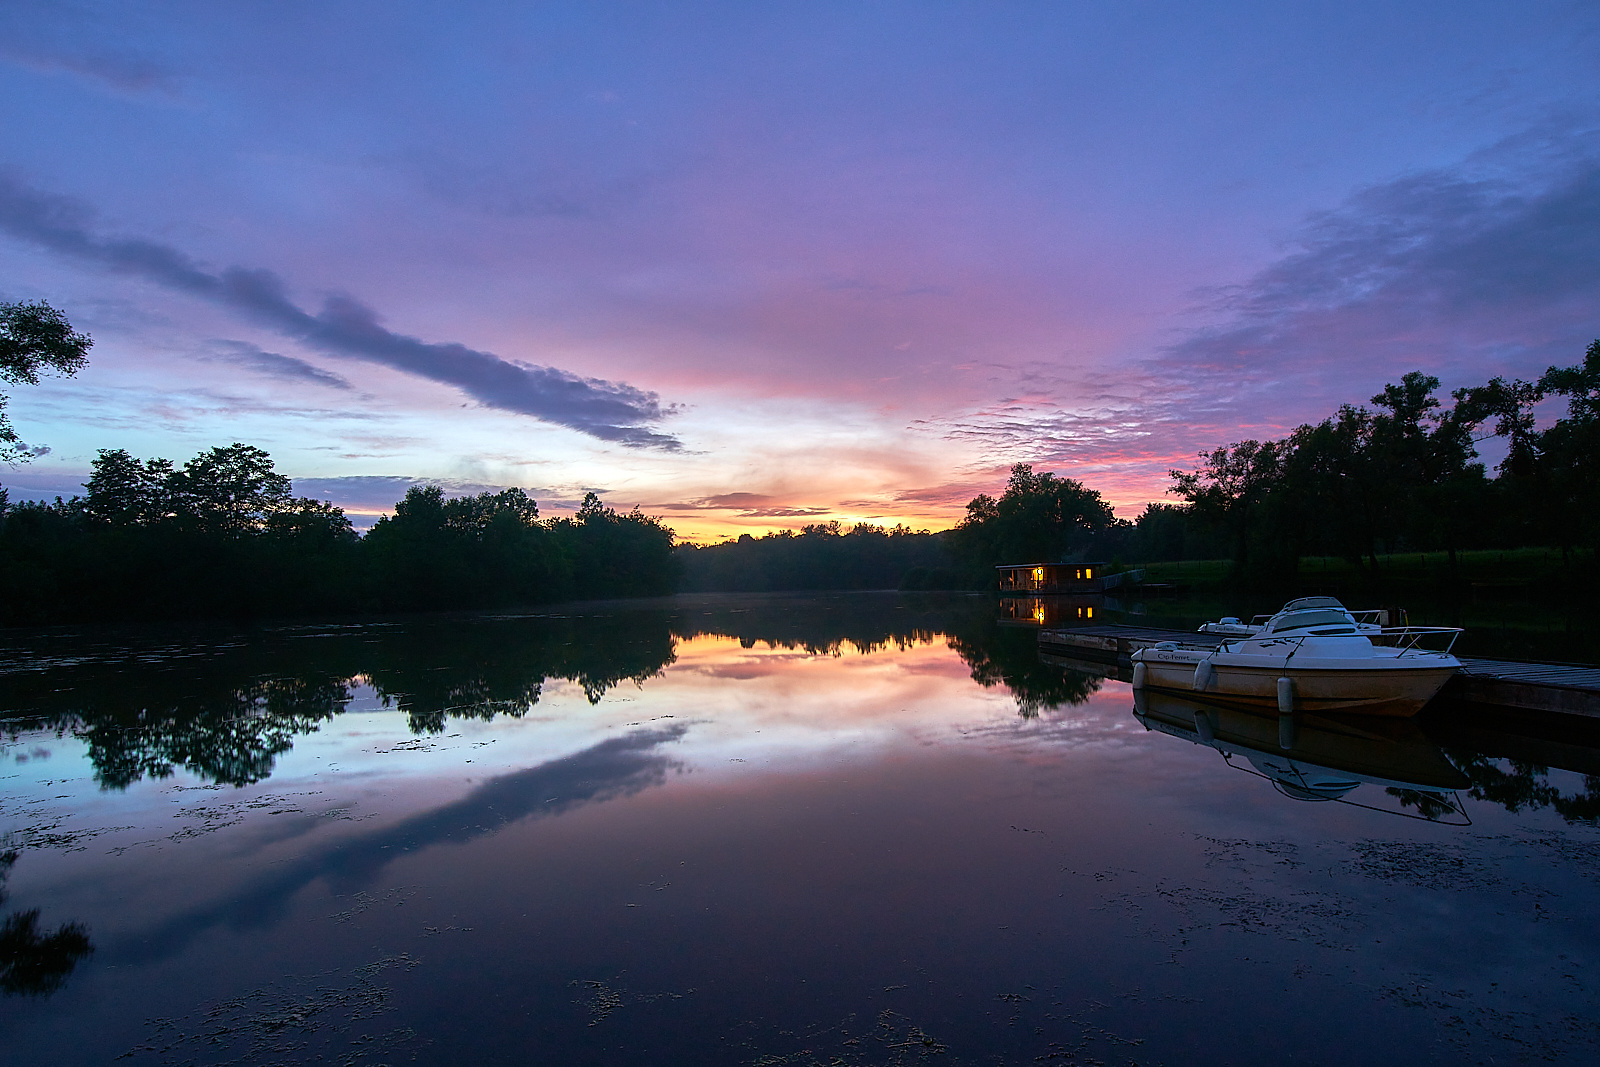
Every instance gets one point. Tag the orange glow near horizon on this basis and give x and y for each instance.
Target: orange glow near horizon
(707, 526)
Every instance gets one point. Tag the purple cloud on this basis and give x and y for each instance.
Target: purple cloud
(610, 411)
(1487, 268)
(277, 365)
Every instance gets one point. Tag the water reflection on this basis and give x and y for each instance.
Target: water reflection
(1054, 610)
(1001, 656)
(1510, 758)
(34, 963)
(1316, 758)
(611, 769)
(814, 830)
(226, 705)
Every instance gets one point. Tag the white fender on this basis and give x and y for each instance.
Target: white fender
(1138, 675)
(1205, 676)
(1285, 696)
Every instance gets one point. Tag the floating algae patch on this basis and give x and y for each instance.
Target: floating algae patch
(298, 1020)
(1424, 865)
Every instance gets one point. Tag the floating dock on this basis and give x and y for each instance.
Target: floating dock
(1551, 688)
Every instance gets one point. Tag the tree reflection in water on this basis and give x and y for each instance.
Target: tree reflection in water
(1003, 656)
(1518, 786)
(224, 704)
(33, 963)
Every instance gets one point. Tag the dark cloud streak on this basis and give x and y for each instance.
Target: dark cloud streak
(277, 365)
(610, 411)
(1489, 267)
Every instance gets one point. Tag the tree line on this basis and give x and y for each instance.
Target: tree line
(821, 556)
(223, 535)
(1403, 475)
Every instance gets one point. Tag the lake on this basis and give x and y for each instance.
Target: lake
(852, 829)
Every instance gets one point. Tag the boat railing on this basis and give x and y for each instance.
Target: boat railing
(1418, 638)
(1421, 640)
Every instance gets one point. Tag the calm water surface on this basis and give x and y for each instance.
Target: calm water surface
(856, 829)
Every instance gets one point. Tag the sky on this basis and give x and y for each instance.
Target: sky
(753, 265)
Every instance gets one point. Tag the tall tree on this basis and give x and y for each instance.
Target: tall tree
(1231, 488)
(230, 490)
(35, 338)
(1571, 451)
(125, 491)
(1040, 518)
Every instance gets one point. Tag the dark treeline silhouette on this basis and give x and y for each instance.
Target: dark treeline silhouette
(821, 556)
(223, 535)
(1401, 476)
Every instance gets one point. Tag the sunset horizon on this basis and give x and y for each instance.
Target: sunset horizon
(749, 270)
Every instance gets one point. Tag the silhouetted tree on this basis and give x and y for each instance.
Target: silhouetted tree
(1571, 452)
(1231, 489)
(35, 338)
(1040, 518)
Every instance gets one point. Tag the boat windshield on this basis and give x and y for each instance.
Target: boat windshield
(1308, 602)
(1295, 620)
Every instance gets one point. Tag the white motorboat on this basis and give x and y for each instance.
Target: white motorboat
(1314, 655)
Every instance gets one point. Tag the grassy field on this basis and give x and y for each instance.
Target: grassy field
(1514, 571)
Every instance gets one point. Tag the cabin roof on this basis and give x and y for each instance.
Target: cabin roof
(1030, 566)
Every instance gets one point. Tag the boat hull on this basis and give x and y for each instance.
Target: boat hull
(1383, 688)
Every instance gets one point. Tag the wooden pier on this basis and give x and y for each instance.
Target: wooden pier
(1551, 688)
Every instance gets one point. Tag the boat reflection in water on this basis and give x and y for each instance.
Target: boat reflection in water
(1317, 757)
